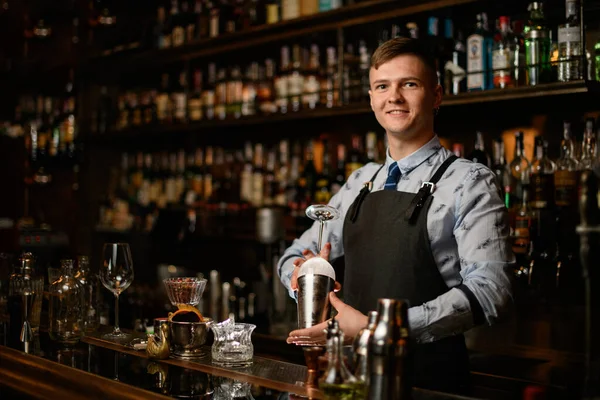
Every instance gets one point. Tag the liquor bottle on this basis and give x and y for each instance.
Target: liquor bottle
(246, 178)
(178, 32)
(208, 174)
(569, 45)
(202, 12)
(208, 94)
(309, 173)
(159, 28)
(179, 98)
(542, 199)
(597, 60)
(250, 90)
(163, 101)
(340, 173)
(290, 9)
(371, 141)
(355, 158)
(272, 11)
(503, 55)
(523, 220)
(542, 177)
(520, 167)
(195, 102)
(198, 182)
(257, 176)
(537, 46)
(311, 96)
(455, 68)
(364, 66)
(281, 81)
(270, 184)
(292, 186)
(588, 146)
(180, 176)
(215, 22)
(478, 154)
(171, 195)
(283, 173)
(309, 7)
(330, 87)
(67, 305)
(479, 61)
(565, 178)
(499, 168)
(221, 94)
(295, 79)
(266, 91)
(323, 184)
(234, 93)
(327, 5)
(519, 73)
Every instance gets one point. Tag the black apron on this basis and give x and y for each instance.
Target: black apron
(388, 255)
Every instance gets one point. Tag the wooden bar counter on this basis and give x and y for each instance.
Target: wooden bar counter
(99, 369)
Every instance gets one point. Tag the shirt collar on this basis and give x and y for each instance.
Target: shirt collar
(415, 159)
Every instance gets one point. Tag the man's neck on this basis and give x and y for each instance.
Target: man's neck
(400, 148)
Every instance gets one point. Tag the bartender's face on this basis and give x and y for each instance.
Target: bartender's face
(403, 96)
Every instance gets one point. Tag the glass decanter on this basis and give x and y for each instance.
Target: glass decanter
(67, 305)
(337, 381)
(89, 283)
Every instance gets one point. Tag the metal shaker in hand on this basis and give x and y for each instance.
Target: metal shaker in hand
(316, 278)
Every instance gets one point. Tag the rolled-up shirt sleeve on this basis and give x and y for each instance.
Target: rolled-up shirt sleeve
(486, 260)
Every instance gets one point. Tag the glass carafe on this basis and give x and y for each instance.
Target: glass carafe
(67, 305)
(338, 382)
(89, 283)
(25, 287)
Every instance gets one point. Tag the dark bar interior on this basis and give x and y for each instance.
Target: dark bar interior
(182, 142)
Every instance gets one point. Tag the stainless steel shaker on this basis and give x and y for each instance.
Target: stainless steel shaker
(314, 285)
(388, 353)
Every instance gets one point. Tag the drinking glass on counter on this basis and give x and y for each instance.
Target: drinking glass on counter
(116, 274)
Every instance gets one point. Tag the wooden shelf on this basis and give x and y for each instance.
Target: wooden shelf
(352, 15)
(464, 99)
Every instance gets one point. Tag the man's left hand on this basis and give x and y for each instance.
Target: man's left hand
(351, 322)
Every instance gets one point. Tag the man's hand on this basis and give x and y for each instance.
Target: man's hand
(351, 322)
(324, 254)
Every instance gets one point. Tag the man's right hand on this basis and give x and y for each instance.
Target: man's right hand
(308, 254)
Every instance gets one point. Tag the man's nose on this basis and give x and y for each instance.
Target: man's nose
(396, 95)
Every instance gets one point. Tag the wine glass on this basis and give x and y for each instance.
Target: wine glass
(322, 213)
(116, 275)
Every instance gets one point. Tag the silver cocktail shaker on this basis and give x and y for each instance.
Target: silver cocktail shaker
(316, 279)
(388, 353)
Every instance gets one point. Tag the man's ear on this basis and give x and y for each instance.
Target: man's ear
(438, 92)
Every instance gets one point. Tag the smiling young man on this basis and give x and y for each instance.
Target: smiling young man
(432, 229)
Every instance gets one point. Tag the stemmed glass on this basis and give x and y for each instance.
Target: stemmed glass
(322, 213)
(116, 275)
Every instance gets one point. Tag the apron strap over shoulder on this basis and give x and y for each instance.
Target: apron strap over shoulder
(361, 196)
(426, 189)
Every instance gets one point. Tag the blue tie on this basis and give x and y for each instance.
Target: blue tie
(393, 177)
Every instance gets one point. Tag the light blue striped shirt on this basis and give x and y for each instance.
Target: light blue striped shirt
(468, 231)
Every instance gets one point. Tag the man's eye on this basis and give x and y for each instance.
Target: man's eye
(382, 86)
(410, 84)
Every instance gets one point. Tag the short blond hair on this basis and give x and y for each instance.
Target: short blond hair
(399, 46)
